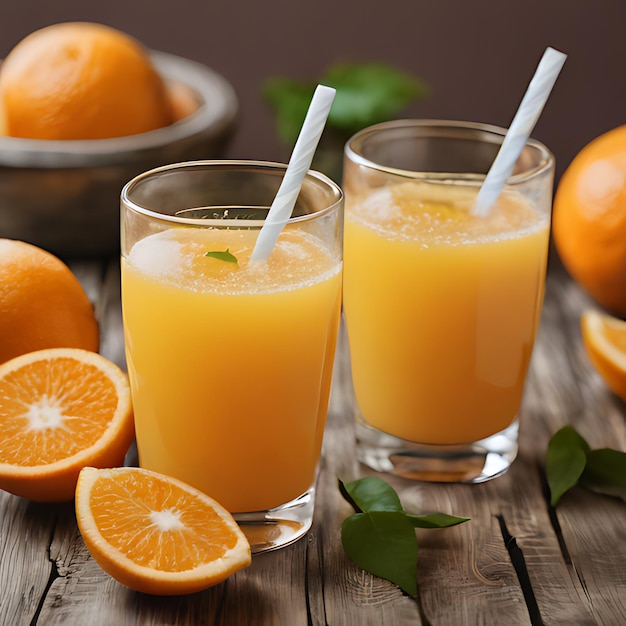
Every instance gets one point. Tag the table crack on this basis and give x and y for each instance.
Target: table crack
(556, 527)
(54, 574)
(519, 564)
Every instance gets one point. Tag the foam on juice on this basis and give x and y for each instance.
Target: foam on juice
(435, 214)
(178, 257)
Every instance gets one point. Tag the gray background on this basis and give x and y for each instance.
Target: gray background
(477, 56)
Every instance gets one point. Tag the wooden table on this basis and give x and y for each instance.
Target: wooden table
(517, 561)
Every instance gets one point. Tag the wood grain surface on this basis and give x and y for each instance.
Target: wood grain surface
(518, 561)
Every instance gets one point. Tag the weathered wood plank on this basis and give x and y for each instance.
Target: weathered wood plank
(349, 596)
(101, 281)
(464, 573)
(593, 529)
(25, 566)
(570, 560)
(565, 389)
(469, 561)
(110, 307)
(271, 591)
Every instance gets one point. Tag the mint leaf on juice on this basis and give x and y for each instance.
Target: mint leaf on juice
(222, 255)
(570, 461)
(380, 537)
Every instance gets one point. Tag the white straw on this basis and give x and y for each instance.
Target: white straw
(299, 165)
(522, 125)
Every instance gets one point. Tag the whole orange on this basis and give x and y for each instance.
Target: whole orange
(589, 219)
(79, 80)
(42, 303)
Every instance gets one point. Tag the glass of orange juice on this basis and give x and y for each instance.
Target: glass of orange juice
(441, 306)
(230, 361)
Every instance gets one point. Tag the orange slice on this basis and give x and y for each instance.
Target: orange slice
(155, 534)
(60, 409)
(604, 337)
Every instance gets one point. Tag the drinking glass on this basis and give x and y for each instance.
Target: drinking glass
(441, 305)
(230, 361)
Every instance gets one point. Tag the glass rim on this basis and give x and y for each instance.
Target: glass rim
(269, 166)
(351, 150)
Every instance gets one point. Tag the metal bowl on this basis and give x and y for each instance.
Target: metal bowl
(64, 195)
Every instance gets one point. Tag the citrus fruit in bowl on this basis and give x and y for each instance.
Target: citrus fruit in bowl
(96, 111)
(589, 219)
(79, 80)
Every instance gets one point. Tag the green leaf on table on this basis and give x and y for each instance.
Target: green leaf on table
(605, 472)
(435, 520)
(380, 537)
(570, 461)
(565, 461)
(384, 544)
(222, 255)
(371, 494)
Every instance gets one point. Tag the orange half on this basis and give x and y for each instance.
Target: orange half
(604, 337)
(155, 534)
(60, 409)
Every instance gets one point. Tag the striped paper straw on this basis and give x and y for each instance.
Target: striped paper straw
(522, 125)
(298, 166)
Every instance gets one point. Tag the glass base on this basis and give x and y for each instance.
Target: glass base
(276, 528)
(474, 462)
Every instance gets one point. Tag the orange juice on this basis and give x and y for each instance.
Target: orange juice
(441, 309)
(230, 363)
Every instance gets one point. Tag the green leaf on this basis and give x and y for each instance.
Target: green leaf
(369, 93)
(222, 255)
(565, 461)
(570, 461)
(605, 472)
(371, 494)
(384, 544)
(290, 100)
(435, 520)
(380, 537)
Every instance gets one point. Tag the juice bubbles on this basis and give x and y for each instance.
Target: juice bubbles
(230, 363)
(441, 308)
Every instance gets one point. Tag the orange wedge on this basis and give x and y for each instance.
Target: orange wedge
(155, 534)
(60, 409)
(604, 337)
